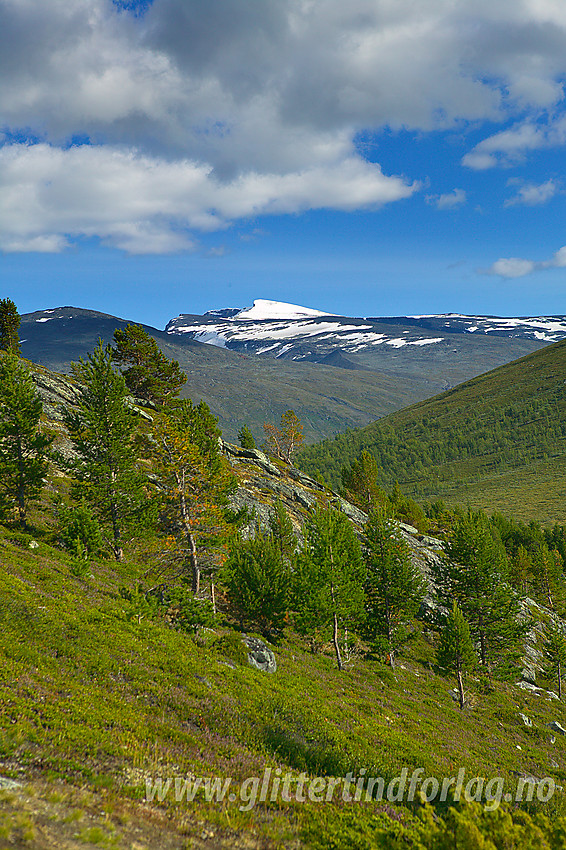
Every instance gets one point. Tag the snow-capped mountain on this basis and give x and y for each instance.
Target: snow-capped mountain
(335, 372)
(301, 333)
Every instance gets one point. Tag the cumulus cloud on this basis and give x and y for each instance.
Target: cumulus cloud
(515, 267)
(448, 201)
(512, 267)
(266, 98)
(533, 194)
(510, 147)
(143, 204)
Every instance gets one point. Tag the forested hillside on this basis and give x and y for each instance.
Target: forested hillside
(482, 441)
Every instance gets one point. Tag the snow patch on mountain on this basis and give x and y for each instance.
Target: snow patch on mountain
(278, 329)
(545, 328)
(263, 309)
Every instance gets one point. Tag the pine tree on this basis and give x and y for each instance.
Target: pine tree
(474, 574)
(456, 650)
(521, 569)
(282, 531)
(24, 450)
(394, 586)
(328, 578)
(555, 652)
(9, 326)
(102, 429)
(360, 482)
(194, 480)
(258, 582)
(246, 438)
(149, 375)
(548, 580)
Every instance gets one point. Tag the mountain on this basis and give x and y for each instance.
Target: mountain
(335, 372)
(327, 399)
(497, 442)
(301, 333)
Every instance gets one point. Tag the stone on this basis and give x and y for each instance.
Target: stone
(432, 542)
(297, 475)
(9, 784)
(557, 727)
(259, 655)
(267, 466)
(528, 686)
(351, 511)
(303, 498)
(410, 529)
(529, 674)
(526, 720)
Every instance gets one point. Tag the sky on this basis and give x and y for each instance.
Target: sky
(375, 157)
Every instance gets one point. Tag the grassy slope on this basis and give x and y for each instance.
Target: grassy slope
(497, 441)
(96, 698)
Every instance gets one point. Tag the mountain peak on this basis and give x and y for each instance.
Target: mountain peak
(263, 309)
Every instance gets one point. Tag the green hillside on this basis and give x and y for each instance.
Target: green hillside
(115, 682)
(497, 442)
(98, 698)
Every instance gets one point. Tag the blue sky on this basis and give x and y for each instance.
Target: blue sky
(369, 158)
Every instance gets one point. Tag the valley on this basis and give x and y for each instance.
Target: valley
(336, 373)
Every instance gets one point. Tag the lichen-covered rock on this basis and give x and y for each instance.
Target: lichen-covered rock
(351, 511)
(304, 498)
(260, 655)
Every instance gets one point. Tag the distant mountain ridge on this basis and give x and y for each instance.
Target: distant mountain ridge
(323, 367)
(302, 333)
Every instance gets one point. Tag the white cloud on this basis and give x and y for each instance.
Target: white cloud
(144, 204)
(512, 267)
(511, 146)
(264, 98)
(515, 267)
(533, 194)
(448, 201)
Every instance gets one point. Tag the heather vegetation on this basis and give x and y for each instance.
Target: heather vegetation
(124, 593)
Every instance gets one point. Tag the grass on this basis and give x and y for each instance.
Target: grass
(94, 701)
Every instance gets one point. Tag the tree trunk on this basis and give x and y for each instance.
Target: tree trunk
(117, 537)
(21, 495)
(481, 630)
(117, 541)
(195, 569)
(335, 641)
(460, 686)
(193, 560)
(335, 618)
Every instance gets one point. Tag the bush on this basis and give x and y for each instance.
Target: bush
(79, 531)
(231, 646)
(257, 580)
(189, 612)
